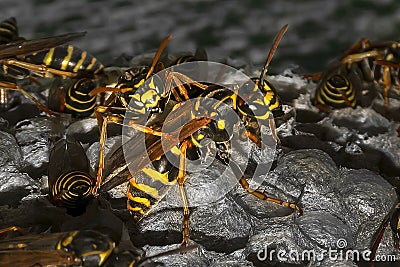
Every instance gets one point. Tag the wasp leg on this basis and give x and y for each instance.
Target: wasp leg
(132, 123)
(13, 86)
(41, 70)
(180, 79)
(271, 123)
(102, 141)
(181, 180)
(313, 76)
(363, 43)
(10, 229)
(256, 140)
(357, 57)
(387, 84)
(377, 237)
(99, 111)
(377, 241)
(243, 182)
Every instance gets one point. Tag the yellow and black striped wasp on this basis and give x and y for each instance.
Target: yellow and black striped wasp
(392, 219)
(356, 78)
(74, 248)
(152, 100)
(69, 179)
(48, 57)
(71, 96)
(21, 48)
(150, 185)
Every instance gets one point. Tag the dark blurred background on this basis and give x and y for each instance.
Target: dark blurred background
(242, 30)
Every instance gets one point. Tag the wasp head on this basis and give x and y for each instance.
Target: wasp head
(134, 77)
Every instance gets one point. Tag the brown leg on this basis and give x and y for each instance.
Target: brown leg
(255, 139)
(41, 70)
(13, 86)
(7, 230)
(99, 111)
(357, 47)
(271, 123)
(243, 182)
(387, 84)
(180, 79)
(103, 138)
(359, 56)
(313, 76)
(181, 181)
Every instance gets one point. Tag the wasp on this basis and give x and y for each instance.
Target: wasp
(150, 185)
(153, 100)
(74, 248)
(71, 96)
(392, 219)
(53, 59)
(69, 179)
(358, 75)
(71, 184)
(20, 48)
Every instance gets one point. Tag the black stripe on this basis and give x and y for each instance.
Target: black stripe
(8, 30)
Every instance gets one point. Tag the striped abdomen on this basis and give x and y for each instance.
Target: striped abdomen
(78, 102)
(150, 185)
(8, 30)
(336, 91)
(70, 184)
(72, 189)
(67, 58)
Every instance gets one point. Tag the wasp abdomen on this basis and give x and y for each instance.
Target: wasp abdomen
(78, 102)
(8, 30)
(336, 91)
(67, 58)
(70, 184)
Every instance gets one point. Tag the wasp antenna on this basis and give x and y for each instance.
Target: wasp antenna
(271, 53)
(158, 54)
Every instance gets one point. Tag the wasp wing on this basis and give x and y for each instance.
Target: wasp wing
(26, 47)
(125, 166)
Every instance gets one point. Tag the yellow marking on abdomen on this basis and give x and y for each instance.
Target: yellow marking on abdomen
(155, 175)
(140, 200)
(67, 58)
(145, 188)
(136, 209)
(49, 57)
(79, 110)
(90, 66)
(80, 62)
